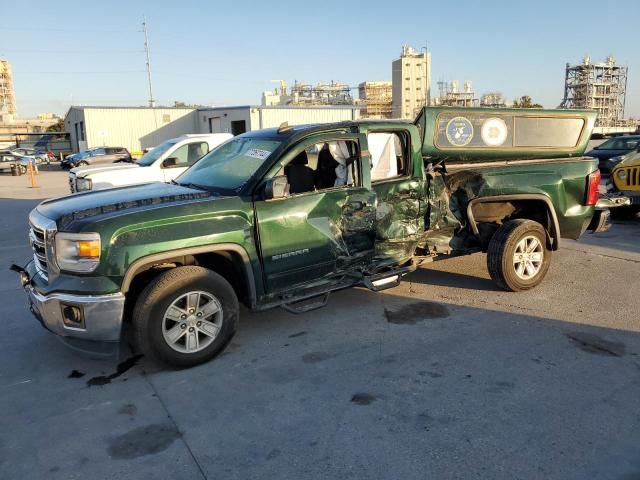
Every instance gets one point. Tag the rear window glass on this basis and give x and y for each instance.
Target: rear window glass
(547, 132)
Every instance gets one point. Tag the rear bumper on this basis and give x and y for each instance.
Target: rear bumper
(601, 221)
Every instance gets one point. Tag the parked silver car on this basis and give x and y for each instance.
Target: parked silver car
(96, 156)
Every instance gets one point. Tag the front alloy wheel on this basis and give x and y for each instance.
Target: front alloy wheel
(192, 322)
(185, 316)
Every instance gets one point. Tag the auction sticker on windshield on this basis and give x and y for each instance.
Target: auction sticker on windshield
(258, 153)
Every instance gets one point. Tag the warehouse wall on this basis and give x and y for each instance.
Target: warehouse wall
(136, 128)
(273, 117)
(219, 120)
(74, 125)
(133, 128)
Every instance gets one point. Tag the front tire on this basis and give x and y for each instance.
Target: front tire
(518, 258)
(185, 317)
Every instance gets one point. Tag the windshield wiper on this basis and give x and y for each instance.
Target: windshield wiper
(192, 185)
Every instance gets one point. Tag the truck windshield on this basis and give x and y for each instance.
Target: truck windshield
(154, 154)
(231, 165)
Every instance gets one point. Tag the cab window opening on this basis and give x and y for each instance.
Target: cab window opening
(389, 155)
(322, 166)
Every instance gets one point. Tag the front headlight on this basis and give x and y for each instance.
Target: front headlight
(77, 252)
(622, 174)
(83, 184)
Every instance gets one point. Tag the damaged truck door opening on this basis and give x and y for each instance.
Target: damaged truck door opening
(283, 217)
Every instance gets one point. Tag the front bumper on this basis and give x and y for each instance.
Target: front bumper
(99, 318)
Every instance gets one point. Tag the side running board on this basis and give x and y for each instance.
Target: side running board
(307, 305)
(388, 279)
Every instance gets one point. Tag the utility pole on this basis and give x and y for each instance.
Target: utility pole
(152, 102)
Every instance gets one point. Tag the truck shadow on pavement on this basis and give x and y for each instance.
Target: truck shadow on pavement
(429, 276)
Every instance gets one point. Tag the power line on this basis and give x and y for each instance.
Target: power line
(68, 51)
(67, 30)
(85, 72)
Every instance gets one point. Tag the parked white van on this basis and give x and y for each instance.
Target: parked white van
(163, 163)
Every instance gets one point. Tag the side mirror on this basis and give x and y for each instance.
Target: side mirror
(276, 187)
(170, 162)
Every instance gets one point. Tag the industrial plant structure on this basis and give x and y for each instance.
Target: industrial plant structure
(597, 86)
(492, 100)
(452, 96)
(375, 99)
(302, 94)
(411, 75)
(7, 96)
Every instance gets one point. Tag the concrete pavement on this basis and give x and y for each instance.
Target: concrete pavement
(443, 377)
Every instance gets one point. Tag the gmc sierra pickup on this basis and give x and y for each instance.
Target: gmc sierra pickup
(283, 217)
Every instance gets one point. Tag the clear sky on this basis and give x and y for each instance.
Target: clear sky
(225, 53)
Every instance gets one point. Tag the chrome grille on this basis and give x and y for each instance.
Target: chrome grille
(37, 239)
(72, 183)
(42, 231)
(633, 176)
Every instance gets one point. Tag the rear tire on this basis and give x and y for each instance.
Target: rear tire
(82, 164)
(185, 316)
(518, 258)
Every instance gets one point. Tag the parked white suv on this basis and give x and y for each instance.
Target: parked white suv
(161, 164)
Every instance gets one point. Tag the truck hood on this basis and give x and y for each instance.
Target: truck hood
(82, 172)
(81, 206)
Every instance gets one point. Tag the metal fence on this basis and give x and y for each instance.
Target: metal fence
(58, 143)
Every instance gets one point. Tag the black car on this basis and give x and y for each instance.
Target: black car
(607, 152)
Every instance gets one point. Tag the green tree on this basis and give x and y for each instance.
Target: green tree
(56, 127)
(525, 102)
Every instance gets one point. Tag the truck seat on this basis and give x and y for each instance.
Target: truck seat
(299, 175)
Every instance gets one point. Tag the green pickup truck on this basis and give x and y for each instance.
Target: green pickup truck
(283, 217)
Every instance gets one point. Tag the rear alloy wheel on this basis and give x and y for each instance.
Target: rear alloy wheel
(518, 257)
(528, 257)
(185, 316)
(82, 164)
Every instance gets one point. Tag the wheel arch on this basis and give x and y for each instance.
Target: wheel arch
(207, 256)
(552, 226)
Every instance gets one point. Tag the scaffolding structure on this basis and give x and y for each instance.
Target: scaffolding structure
(7, 96)
(376, 98)
(597, 86)
(335, 93)
(452, 96)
